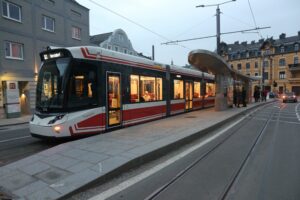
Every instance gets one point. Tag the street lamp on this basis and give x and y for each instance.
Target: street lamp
(218, 12)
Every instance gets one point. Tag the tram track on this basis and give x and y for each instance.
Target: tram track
(234, 178)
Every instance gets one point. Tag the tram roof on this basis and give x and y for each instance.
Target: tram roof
(98, 53)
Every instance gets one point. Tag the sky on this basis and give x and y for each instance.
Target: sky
(177, 19)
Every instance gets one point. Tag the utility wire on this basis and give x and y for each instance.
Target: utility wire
(253, 17)
(137, 24)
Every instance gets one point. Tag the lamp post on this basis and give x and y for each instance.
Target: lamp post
(218, 12)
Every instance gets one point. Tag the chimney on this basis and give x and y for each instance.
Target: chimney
(298, 34)
(236, 42)
(244, 43)
(253, 42)
(282, 36)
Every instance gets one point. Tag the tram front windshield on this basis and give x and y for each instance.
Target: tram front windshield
(51, 84)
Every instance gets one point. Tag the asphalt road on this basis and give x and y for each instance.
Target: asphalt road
(16, 143)
(256, 159)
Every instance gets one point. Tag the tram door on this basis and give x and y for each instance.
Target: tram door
(113, 99)
(188, 95)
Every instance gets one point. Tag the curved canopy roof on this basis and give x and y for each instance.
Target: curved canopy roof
(208, 61)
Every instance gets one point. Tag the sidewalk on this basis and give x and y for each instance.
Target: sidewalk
(61, 170)
(15, 121)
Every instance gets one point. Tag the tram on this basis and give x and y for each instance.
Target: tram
(88, 90)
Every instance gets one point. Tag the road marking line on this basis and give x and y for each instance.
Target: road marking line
(126, 184)
(19, 138)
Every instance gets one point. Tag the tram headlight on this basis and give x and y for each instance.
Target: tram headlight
(57, 129)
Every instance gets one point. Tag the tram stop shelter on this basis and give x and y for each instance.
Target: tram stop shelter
(226, 78)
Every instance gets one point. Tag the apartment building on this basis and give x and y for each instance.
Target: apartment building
(27, 27)
(274, 61)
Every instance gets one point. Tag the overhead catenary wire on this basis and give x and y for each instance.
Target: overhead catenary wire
(253, 17)
(133, 22)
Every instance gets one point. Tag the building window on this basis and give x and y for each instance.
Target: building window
(296, 60)
(255, 74)
(281, 62)
(78, 14)
(282, 49)
(239, 66)
(297, 47)
(231, 66)
(266, 76)
(247, 66)
(109, 47)
(76, 33)
(266, 63)
(116, 49)
(48, 23)
(125, 51)
(281, 75)
(178, 89)
(51, 2)
(256, 65)
(13, 50)
(11, 11)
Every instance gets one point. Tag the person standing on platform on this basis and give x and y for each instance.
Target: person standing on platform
(244, 94)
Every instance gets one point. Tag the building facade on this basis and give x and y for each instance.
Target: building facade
(27, 27)
(274, 61)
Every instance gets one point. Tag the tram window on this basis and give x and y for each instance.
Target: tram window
(197, 90)
(134, 89)
(210, 89)
(178, 89)
(147, 88)
(82, 86)
(159, 89)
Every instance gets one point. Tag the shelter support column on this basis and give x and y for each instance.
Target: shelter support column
(221, 92)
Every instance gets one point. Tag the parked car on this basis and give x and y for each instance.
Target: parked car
(272, 95)
(289, 96)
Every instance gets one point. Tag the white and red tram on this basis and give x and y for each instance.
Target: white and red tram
(88, 90)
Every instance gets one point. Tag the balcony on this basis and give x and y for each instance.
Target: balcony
(294, 80)
(294, 67)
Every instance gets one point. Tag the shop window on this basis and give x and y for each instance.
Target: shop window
(178, 89)
(210, 89)
(197, 89)
(11, 11)
(13, 50)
